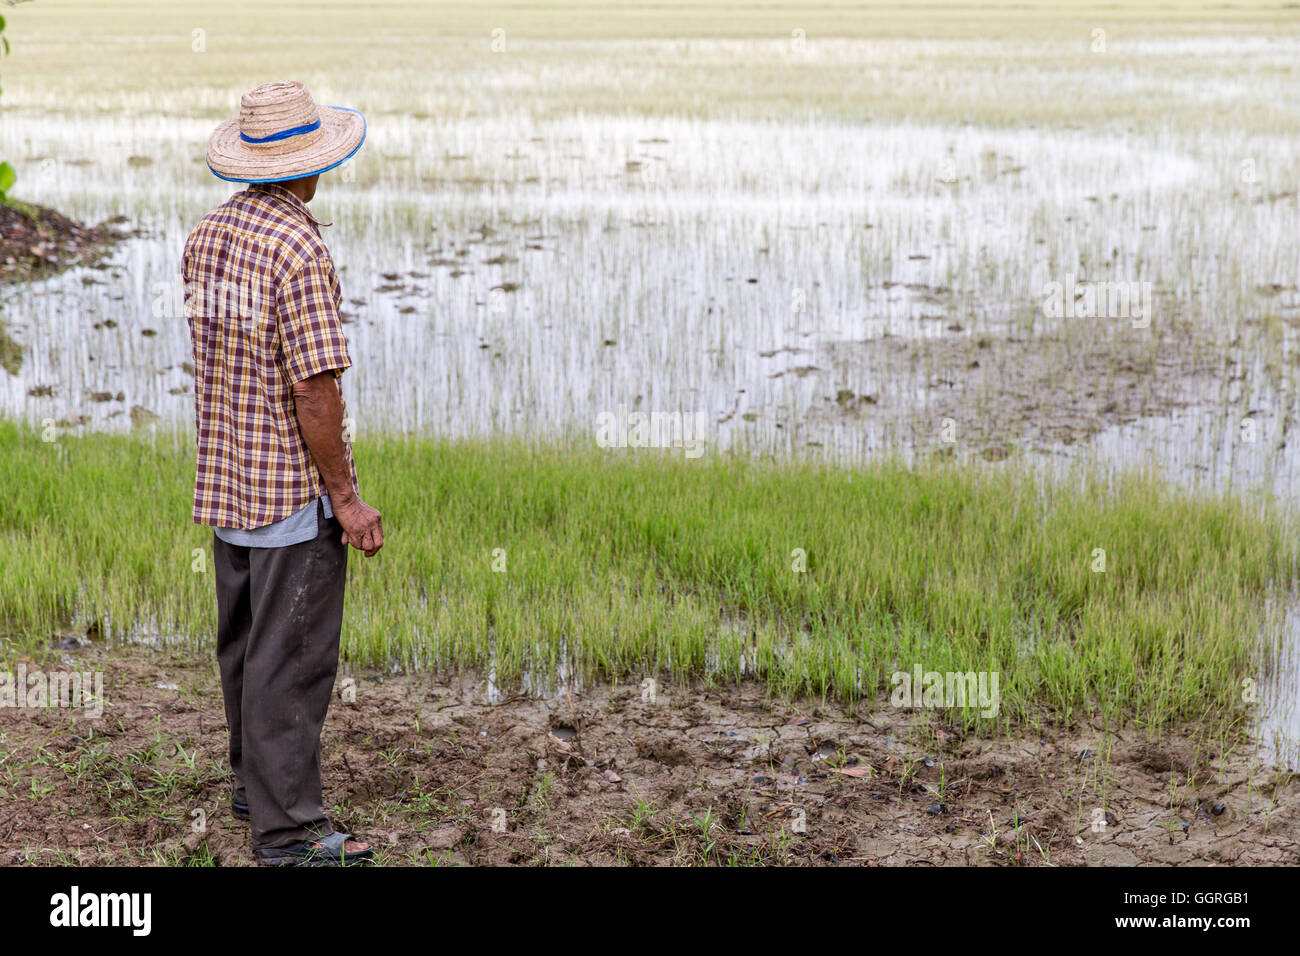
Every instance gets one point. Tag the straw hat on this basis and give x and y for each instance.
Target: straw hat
(281, 134)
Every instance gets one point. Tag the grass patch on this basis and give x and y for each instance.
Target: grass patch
(616, 565)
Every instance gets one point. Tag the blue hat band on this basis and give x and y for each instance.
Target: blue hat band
(283, 134)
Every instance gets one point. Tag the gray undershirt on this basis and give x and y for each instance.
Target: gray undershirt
(295, 529)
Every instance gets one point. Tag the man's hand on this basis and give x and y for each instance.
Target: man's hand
(363, 526)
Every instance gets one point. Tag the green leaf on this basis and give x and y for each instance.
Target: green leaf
(7, 178)
(2, 24)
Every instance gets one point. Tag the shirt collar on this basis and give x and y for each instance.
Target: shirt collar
(286, 197)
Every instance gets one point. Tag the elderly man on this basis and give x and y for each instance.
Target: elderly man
(275, 476)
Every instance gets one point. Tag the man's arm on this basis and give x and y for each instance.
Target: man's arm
(320, 418)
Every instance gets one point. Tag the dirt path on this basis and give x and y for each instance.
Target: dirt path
(430, 772)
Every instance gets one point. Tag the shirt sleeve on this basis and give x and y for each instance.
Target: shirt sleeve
(311, 331)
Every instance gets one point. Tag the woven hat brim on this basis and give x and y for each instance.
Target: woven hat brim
(343, 131)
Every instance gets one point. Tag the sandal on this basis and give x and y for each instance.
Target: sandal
(326, 851)
(239, 809)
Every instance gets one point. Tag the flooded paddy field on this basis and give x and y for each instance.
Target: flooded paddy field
(997, 241)
(797, 305)
(830, 271)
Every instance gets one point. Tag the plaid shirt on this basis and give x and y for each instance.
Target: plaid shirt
(262, 301)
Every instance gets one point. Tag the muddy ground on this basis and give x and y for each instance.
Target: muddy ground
(431, 773)
(1041, 392)
(36, 241)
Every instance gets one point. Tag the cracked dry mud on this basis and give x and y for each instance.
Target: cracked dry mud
(430, 772)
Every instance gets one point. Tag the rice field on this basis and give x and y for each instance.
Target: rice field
(1023, 278)
(538, 564)
(838, 264)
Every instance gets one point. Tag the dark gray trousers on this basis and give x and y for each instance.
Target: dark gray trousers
(279, 616)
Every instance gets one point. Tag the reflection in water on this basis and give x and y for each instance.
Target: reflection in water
(1279, 693)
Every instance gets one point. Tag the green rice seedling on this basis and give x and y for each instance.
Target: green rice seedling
(661, 568)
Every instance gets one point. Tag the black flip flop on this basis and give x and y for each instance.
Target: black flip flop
(327, 851)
